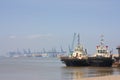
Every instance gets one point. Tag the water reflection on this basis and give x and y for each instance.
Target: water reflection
(76, 73)
(96, 71)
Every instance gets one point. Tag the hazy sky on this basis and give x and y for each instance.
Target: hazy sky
(38, 24)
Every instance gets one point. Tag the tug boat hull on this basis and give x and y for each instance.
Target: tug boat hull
(74, 62)
(100, 61)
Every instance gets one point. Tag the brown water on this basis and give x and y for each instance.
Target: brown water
(47, 69)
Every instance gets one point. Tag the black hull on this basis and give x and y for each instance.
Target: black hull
(74, 62)
(100, 61)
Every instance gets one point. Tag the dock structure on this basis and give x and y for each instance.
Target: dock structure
(118, 48)
(117, 59)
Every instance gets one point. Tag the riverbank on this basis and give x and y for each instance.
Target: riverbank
(113, 77)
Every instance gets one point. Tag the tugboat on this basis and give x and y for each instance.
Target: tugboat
(102, 57)
(79, 57)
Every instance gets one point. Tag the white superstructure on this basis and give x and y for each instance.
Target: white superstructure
(79, 52)
(102, 50)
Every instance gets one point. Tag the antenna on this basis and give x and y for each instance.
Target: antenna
(102, 39)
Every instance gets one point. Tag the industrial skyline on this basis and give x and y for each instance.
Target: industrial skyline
(38, 24)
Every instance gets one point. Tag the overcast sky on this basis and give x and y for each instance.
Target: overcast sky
(38, 24)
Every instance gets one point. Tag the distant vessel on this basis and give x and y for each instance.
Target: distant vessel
(102, 57)
(79, 57)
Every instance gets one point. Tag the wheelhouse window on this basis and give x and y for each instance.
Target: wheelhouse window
(102, 51)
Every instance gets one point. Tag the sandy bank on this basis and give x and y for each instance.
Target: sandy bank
(113, 77)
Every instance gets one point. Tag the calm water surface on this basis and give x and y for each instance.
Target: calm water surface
(47, 69)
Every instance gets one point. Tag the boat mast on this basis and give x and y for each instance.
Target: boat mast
(72, 46)
(78, 39)
(102, 40)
